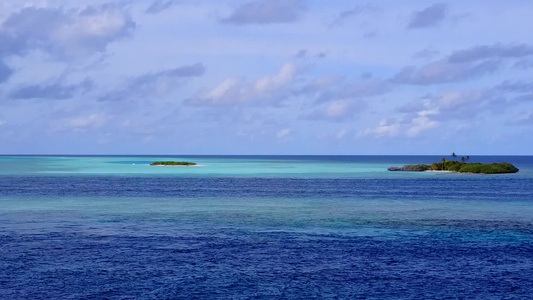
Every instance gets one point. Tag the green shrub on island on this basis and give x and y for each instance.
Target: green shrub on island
(416, 168)
(452, 165)
(461, 167)
(494, 168)
(173, 163)
(435, 166)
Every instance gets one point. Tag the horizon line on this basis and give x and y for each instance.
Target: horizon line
(445, 155)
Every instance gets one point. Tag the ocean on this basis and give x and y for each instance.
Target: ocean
(262, 227)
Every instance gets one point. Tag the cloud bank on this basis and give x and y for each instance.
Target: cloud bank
(265, 77)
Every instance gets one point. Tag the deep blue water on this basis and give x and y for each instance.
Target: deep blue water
(229, 233)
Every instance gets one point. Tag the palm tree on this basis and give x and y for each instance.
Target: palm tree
(463, 159)
(443, 161)
(454, 155)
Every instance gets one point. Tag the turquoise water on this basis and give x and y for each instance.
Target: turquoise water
(262, 227)
(258, 166)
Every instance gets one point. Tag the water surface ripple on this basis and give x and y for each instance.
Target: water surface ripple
(109, 233)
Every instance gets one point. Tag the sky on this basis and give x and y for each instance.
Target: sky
(266, 77)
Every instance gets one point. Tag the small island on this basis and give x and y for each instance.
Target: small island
(460, 166)
(173, 163)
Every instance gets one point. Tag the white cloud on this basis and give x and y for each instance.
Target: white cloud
(232, 91)
(341, 134)
(283, 134)
(222, 89)
(64, 33)
(451, 100)
(91, 31)
(390, 128)
(382, 130)
(337, 109)
(272, 83)
(227, 92)
(454, 104)
(458, 104)
(457, 99)
(94, 120)
(420, 124)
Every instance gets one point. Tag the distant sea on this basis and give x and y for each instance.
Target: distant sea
(262, 227)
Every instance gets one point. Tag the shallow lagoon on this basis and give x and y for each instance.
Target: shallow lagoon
(235, 166)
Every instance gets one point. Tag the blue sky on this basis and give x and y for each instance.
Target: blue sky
(266, 77)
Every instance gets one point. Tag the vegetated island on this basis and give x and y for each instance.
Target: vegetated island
(173, 163)
(460, 166)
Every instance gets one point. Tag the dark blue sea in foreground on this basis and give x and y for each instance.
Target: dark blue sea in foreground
(260, 227)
